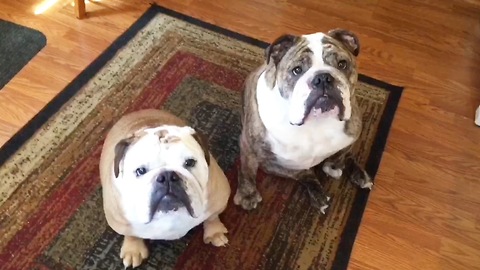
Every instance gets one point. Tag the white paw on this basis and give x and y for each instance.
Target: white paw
(334, 173)
(214, 233)
(133, 253)
(218, 240)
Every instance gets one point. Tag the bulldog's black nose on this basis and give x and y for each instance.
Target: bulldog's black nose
(322, 79)
(168, 176)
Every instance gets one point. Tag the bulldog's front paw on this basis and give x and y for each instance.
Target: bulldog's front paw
(214, 232)
(247, 200)
(133, 251)
(357, 175)
(364, 181)
(319, 200)
(361, 178)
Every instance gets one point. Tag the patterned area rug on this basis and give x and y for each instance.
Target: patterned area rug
(18, 45)
(51, 214)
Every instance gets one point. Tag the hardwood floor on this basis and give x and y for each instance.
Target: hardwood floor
(424, 212)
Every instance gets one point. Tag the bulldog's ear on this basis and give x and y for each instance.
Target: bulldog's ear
(279, 48)
(202, 140)
(120, 150)
(347, 38)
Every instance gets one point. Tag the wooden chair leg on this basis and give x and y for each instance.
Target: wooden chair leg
(80, 9)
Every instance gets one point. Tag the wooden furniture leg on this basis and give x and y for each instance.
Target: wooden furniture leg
(80, 9)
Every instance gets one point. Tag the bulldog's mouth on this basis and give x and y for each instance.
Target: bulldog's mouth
(319, 106)
(323, 104)
(171, 202)
(169, 195)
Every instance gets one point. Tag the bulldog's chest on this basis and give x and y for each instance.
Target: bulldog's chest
(170, 226)
(298, 147)
(302, 147)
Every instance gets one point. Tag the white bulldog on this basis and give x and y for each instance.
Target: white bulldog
(159, 181)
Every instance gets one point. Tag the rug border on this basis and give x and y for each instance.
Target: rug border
(353, 221)
(347, 239)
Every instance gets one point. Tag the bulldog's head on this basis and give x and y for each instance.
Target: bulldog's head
(316, 73)
(161, 170)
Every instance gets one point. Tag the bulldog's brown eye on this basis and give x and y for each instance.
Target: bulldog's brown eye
(297, 71)
(189, 163)
(342, 64)
(140, 171)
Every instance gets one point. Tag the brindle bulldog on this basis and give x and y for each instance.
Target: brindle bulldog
(300, 117)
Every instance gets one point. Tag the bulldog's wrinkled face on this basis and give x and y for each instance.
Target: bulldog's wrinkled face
(316, 73)
(161, 170)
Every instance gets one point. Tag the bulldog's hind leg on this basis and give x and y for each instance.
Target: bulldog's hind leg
(334, 165)
(247, 194)
(332, 170)
(343, 163)
(214, 232)
(133, 251)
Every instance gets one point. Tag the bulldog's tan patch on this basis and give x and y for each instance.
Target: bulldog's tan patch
(161, 134)
(203, 142)
(121, 148)
(165, 137)
(170, 139)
